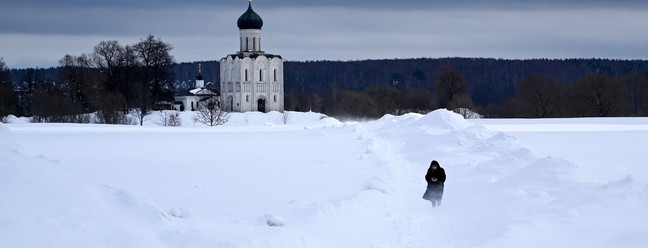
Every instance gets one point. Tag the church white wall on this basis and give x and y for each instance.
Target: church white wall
(230, 82)
(277, 77)
(250, 40)
(187, 101)
(247, 80)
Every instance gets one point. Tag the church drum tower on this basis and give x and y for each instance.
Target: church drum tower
(251, 80)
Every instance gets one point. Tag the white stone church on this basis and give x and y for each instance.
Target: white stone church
(251, 80)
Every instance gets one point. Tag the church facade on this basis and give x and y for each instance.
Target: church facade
(251, 79)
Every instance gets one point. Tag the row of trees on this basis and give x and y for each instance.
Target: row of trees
(115, 78)
(493, 87)
(492, 81)
(375, 101)
(111, 80)
(536, 96)
(591, 96)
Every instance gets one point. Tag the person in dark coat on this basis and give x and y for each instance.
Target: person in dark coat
(435, 179)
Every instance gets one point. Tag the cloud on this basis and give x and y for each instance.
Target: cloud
(99, 21)
(467, 33)
(334, 30)
(356, 4)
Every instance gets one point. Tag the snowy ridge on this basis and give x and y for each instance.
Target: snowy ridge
(516, 182)
(312, 182)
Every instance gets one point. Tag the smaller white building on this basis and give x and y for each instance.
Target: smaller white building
(198, 97)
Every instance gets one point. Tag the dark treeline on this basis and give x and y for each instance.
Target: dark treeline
(491, 80)
(493, 87)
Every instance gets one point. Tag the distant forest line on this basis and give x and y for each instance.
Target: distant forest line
(494, 87)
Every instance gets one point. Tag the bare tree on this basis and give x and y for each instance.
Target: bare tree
(169, 118)
(284, 117)
(141, 114)
(142, 100)
(156, 60)
(211, 115)
(449, 84)
(163, 118)
(600, 96)
(106, 55)
(538, 97)
(467, 113)
(463, 105)
(174, 119)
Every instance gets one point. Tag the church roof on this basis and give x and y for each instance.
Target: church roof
(198, 92)
(184, 93)
(250, 19)
(253, 55)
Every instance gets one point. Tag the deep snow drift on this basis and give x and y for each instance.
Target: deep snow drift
(317, 182)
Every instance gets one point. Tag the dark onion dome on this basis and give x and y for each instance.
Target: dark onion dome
(199, 77)
(250, 19)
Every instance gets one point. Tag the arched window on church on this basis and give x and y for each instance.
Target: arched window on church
(247, 41)
(253, 43)
(275, 75)
(247, 98)
(246, 74)
(260, 75)
(275, 98)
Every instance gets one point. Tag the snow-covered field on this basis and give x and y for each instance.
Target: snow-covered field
(318, 182)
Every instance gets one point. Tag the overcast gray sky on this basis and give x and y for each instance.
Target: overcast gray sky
(37, 33)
